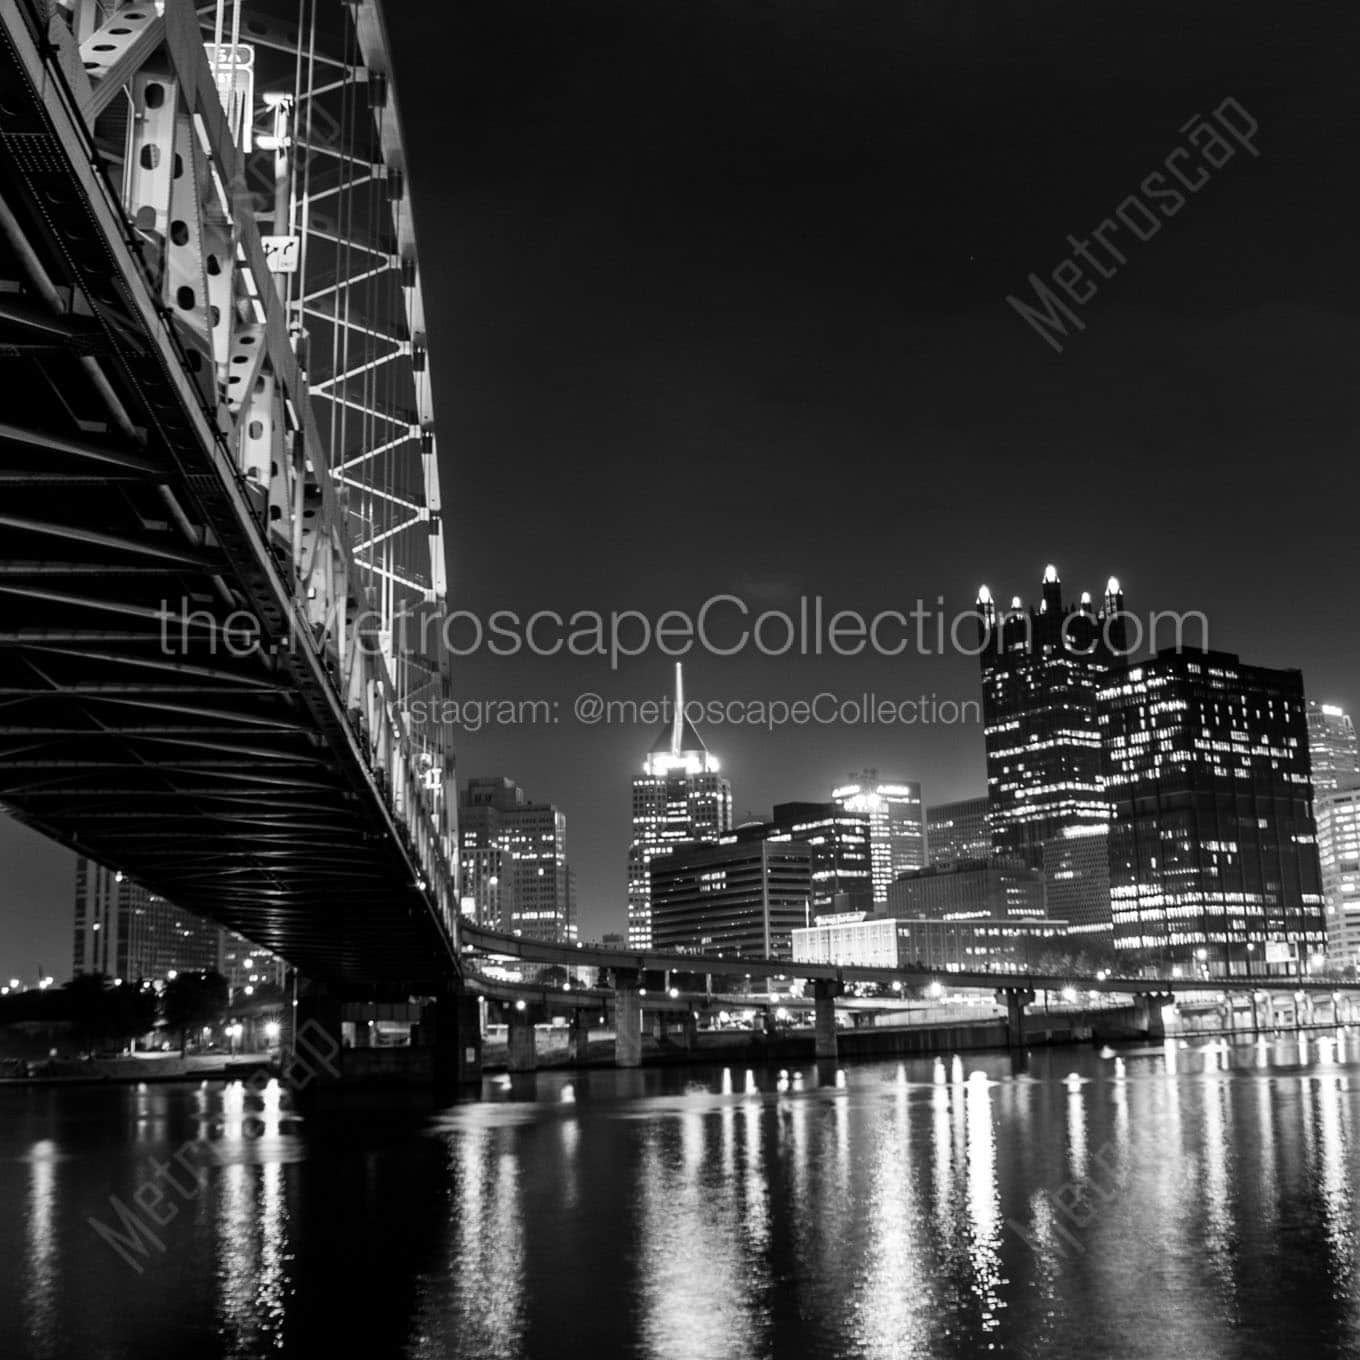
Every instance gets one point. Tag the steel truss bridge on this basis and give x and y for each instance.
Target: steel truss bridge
(220, 532)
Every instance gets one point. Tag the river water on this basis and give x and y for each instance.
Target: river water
(1196, 1201)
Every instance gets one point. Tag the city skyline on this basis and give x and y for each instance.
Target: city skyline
(46, 863)
(701, 660)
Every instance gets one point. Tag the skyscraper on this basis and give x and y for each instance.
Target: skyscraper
(679, 796)
(124, 931)
(897, 827)
(1041, 672)
(1338, 832)
(1333, 751)
(742, 895)
(842, 856)
(514, 855)
(1213, 846)
(958, 830)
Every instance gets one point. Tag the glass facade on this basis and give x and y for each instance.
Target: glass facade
(842, 865)
(1213, 854)
(1333, 753)
(897, 826)
(958, 830)
(1338, 831)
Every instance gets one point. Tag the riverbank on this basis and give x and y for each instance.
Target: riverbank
(142, 1067)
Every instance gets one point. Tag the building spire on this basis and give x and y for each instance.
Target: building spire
(678, 717)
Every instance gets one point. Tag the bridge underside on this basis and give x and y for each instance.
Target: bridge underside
(162, 706)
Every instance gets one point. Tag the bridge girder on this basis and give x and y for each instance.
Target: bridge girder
(198, 639)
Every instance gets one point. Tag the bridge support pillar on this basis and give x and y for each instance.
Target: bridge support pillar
(578, 1039)
(452, 1026)
(627, 1020)
(1148, 1008)
(689, 1033)
(313, 1046)
(824, 994)
(1015, 999)
(523, 1055)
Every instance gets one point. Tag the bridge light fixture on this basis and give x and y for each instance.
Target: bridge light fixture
(272, 1030)
(519, 1005)
(675, 992)
(935, 990)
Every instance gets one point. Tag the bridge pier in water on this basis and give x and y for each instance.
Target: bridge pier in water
(330, 1040)
(627, 1019)
(522, 1053)
(578, 1038)
(1148, 1010)
(824, 994)
(1015, 1000)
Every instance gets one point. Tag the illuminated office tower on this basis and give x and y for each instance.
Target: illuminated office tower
(514, 852)
(1041, 671)
(897, 826)
(679, 796)
(1077, 868)
(124, 931)
(959, 830)
(842, 854)
(1213, 853)
(740, 896)
(1332, 749)
(1338, 831)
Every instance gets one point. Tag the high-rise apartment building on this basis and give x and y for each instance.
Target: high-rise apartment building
(1213, 853)
(680, 796)
(124, 931)
(1333, 752)
(958, 830)
(897, 826)
(514, 862)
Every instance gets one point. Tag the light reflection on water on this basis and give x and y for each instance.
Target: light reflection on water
(1144, 1203)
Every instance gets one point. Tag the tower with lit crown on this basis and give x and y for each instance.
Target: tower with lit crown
(1042, 669)
(679, 796)
(897, 825)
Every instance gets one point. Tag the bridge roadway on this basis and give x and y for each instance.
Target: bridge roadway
(199, 683)
(485, 941)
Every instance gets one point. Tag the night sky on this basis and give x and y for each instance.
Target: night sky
(717, 304)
